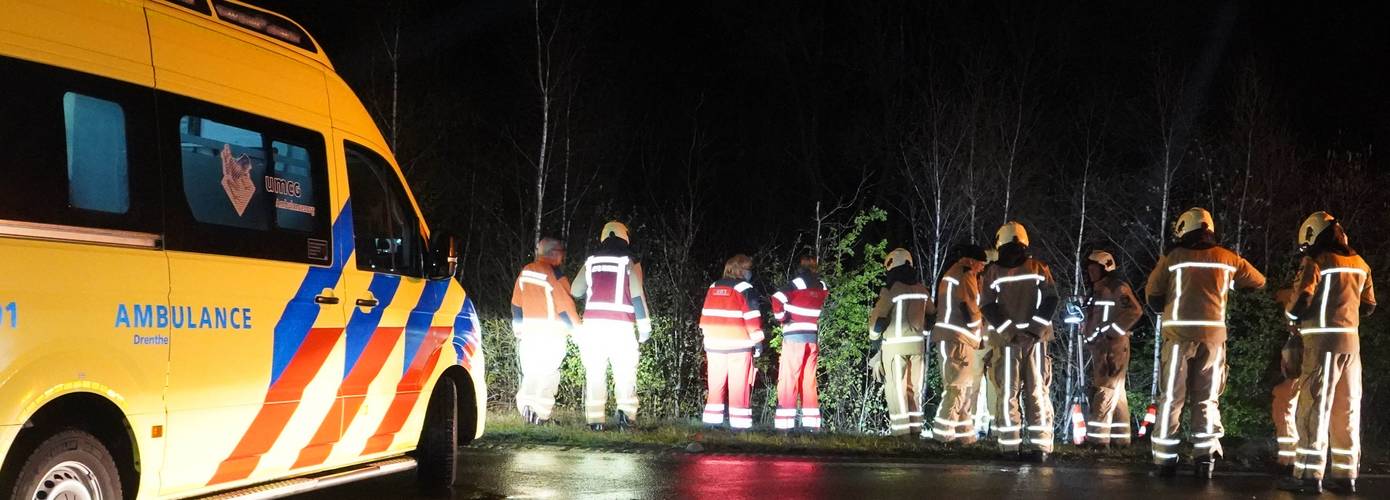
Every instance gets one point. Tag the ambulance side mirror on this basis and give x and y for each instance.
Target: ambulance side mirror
(442, 258)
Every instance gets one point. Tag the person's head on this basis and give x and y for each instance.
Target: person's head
(739, 267)
(972, 255)
(550, 251)
(614, 229)
(1011, 232)
(1190, 222)
(1099, 264)
(1321, 232)
(897, 258)
(809, 263)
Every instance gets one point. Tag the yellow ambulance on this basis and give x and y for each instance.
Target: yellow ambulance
(213, 277)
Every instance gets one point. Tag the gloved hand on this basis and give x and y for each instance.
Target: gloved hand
(876, 366)
(994, 314)
(644, 330)
(516, 329)
(757, 350)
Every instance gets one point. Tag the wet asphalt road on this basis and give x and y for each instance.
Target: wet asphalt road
(566, 473)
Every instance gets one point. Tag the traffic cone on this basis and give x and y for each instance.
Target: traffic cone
(1150, 417)
(1078, 425)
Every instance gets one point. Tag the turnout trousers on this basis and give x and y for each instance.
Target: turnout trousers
(954, 419)
(902, 386)
(729, 375)
(982, 393)
(1108, 421)
(1283, 411)
(1329, 415)
(796, 378)
(1022, 374)
(602, 343)
(540, 353)
(1191, 372)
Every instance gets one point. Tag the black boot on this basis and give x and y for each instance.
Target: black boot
(527, 415)
(596, 427)
(1034, 456)
(1296, 485)
(1204, 466)
(1343, 485)
(1166, 469)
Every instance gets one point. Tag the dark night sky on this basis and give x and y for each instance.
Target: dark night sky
(648, 66)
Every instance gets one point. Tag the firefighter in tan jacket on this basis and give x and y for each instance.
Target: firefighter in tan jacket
(957, 338)
(1018, 300)
(898, 328)
(1331, 293)
(543, 315)
(1190, 285)
(1111, 314)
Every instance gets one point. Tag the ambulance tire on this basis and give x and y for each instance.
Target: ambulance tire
(66, 465)
(438, 448)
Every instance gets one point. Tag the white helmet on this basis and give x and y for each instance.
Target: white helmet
(1009, 232)
(614, 228)
(1193, 219)
(1106, 261)
(897, 257)
(1313, 226)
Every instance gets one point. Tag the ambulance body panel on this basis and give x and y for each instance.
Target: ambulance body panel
(216, 246)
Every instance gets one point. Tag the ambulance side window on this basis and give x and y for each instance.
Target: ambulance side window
(78, 150)
(385, 227)
(244, 185)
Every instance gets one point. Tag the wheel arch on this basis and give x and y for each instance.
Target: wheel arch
(86, 411)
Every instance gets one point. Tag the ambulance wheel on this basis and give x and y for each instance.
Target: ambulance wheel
(438, 448)
(70, 465)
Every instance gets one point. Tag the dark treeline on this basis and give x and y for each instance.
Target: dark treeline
(766, 127)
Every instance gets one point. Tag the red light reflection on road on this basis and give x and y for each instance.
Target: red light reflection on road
(737, 478)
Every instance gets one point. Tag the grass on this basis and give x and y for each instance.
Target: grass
(506, 428)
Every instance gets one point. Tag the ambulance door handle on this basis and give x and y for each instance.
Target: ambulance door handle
(367, 302)
(325, 299)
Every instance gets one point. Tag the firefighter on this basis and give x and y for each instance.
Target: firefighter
(611, 284)
(1332, 291)
(797, 307)
(543, 316)
(1190, 285)
(957, 335)
(1111, 313)
(981, 391)
(733, 334)
(898, 329)
(1284, 403)
(1018, 300)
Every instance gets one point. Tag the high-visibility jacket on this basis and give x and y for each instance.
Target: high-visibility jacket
(905, 308)
(1192, 284)
(958, 306)
(730, 318)
(798, 305)
(1111, 312)
(1026, 297)
(541, 298)
(1334, 289)
(611, 284)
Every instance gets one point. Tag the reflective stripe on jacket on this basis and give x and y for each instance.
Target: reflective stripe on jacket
(730, 319)
(543, 298)
(1020, 291)
(958, 306)
(1335, 286)
(798, 306)
(906, 308)
(1111, 312)
(612, 289)
(1193, 285)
